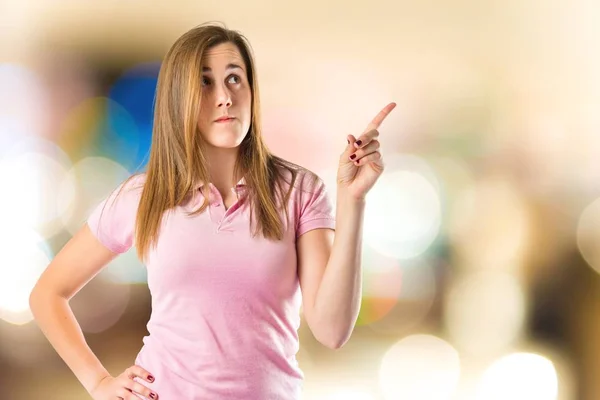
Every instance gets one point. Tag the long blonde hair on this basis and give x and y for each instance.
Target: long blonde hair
(177, 162)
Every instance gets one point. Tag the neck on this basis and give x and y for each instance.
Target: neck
(221, 163)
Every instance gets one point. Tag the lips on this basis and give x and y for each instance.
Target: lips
(224, 119)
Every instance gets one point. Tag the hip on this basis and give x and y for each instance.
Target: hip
(173, 382)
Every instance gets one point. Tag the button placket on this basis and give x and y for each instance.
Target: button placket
(216, 209)
(220, 216)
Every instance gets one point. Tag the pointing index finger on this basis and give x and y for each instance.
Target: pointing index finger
(374, 124)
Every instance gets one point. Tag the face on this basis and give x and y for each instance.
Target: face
(225, 111)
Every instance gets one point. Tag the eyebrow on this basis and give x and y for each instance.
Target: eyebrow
(229, 66)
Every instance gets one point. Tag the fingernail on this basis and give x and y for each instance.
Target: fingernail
(348, 141)
(150, 378)
(358, 142)
(353, 156)
(152, 396)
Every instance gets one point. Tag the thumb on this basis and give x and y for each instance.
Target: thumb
(350, 147)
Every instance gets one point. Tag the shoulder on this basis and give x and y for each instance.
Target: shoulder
(113, 219)
(309, 198)
(298, 178)
(129, 190)
(308, 193)
(125, 198)
(134, 184)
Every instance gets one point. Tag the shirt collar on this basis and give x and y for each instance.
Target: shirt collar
(241, 183)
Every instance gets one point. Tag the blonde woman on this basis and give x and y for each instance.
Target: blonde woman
(234, 239)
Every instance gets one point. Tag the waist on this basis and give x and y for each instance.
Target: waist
(249, 372)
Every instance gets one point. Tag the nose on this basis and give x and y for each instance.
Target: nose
(223, 97)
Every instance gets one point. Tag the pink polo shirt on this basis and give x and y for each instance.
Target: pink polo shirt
(225, 305)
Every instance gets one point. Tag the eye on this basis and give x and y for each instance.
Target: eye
(205, 81)
(234, 79)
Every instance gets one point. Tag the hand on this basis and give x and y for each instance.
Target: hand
(124, 387)
(361, 163)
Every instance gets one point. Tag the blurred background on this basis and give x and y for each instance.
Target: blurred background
(481, 243)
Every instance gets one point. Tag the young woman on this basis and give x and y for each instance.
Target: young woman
(234, 239)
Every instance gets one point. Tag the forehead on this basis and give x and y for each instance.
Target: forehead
(222, 55)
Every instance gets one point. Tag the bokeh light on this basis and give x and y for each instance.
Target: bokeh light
(23, 257)
(118, 137)
(418, 290)
(403, 213)
(349, 394)
(21, 345)
(454, 177)
(519, 376)
(382, 283)
(23, 104)
(134, 91)
(588, 234)
(31, 171)
(100, 304)
(87, 183)
(81, 126)
(101, 127)
(126, 268)
(397, 293)
(420, 367)
(485, 311)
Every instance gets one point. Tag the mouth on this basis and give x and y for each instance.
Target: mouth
(225, 119)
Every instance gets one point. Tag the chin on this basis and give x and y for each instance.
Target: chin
(226, 142)
(228, 146)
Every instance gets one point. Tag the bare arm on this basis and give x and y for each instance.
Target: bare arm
(330, 268)
(331, 276)
(82, 258)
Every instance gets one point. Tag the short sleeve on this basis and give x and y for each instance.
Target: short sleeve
(112, 222)
(316, 210)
